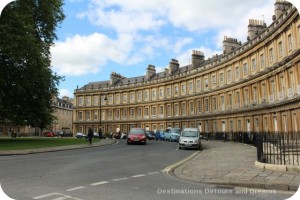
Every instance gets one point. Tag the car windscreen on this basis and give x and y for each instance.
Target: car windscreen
(189, 134)
(137, 131)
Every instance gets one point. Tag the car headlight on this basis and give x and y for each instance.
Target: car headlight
(196, 141)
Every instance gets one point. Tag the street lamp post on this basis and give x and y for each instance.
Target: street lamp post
(100, 131)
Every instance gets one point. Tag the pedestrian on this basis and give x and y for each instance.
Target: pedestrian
(100, 133)
(90, 135)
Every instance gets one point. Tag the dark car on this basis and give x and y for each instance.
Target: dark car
(160, 135)
(137, 135)
(150, 135)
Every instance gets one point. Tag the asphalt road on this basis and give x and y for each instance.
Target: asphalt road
(116, 172)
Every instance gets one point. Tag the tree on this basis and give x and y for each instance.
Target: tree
(27, 82)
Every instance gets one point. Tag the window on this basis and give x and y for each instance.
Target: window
(117, 114)
(263, 91)
(246, 97)
(191, 107)
(222, 103)
(253, 65)
(176, 113)
(176, 89)
(272, 87)
(230, 101)
(110, 99)
(237, 73)
(146, 112)
(290, 42)
(214, 104)
(95, 115)
(191, 86)
(245, 69)
(280, 49)
(110, 114)
(254, 91)
(168, 91)
(139, 96)
(153, 111)
(199, 105)
(161, 93)
(239, 125)
(117, 99)
(206, 83)
(262, 60)
(80, 116)
(132, 113)
(154, 94)
(88, 101)
(213, 80)
(124, 113)
(95, 100)
(271, 55)
(80, 101)
(125, 98)
(146, 96)
(169, 110)
(139, 112)
(183, 88)
(88, 115)
(161, 111)
(198, 85)
(183, 109)
(229, 76)
(206, 104)
(238, 99)
(221, 78)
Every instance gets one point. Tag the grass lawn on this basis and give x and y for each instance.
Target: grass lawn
(33, 143)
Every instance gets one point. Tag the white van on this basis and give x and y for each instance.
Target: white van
(190, 138)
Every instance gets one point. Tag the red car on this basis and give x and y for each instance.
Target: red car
(49, 134)
(137, 135)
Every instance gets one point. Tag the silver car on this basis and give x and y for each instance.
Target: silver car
(190, 139)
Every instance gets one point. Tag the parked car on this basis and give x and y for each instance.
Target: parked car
(49, 134)
(160, 135)
(137, 135)
(96, 135)
(190, 138)
(172, 134)
(80, 135)
(150, 135)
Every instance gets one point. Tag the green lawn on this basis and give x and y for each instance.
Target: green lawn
(33, 143)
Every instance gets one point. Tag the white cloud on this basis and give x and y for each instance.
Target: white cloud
(65, 92)
(80, 55)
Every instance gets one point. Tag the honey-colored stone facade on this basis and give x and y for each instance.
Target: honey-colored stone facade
(251, 87)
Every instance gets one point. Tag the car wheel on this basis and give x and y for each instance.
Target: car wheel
(179, 148)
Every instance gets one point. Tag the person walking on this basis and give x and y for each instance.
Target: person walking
(100, 134)
(90, 135)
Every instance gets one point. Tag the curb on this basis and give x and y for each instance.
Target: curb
(54, 149)
(171, 168)
(281, 168)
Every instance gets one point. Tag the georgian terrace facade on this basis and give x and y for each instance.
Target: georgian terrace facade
(251, 87)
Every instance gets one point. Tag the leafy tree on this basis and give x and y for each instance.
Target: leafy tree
(27, 82)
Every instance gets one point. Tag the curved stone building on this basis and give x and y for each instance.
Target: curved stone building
(251, 87)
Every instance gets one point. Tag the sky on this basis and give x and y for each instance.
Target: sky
(98, 37)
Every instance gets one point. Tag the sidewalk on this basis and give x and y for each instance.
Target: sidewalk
(102, 142)
(228, 163)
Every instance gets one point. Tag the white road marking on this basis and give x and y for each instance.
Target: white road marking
(152, 173)
(62, 198)
(119, 179)
(76, 188)
(46, 195)
(99, 183)
(139, 175)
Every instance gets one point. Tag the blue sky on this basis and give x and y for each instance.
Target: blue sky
(125, 36)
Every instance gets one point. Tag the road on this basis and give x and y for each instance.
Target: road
(115, 172)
